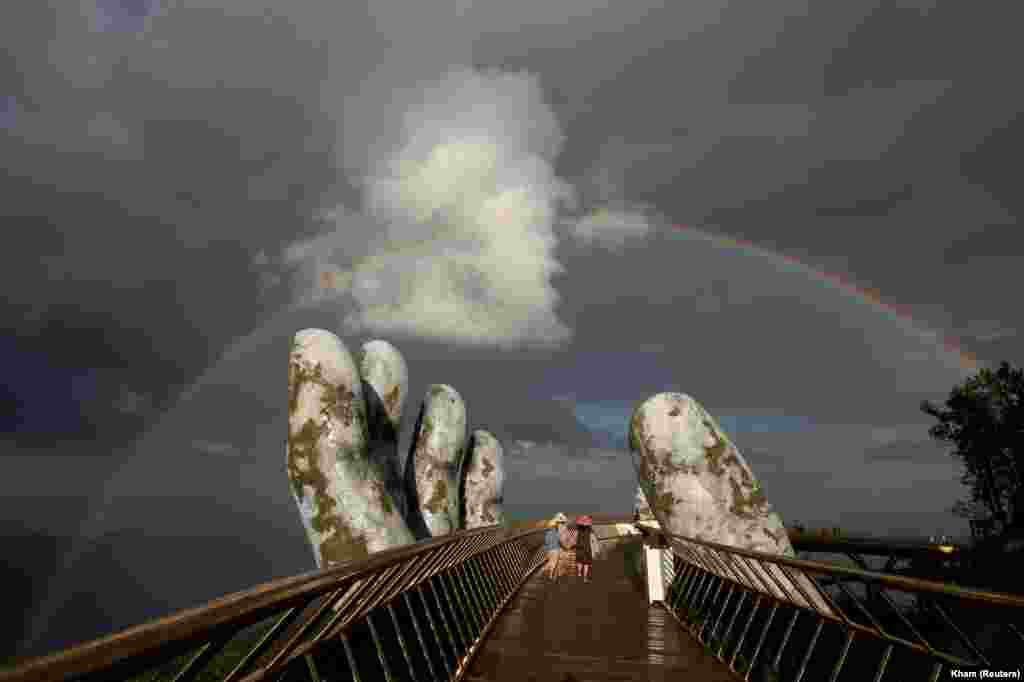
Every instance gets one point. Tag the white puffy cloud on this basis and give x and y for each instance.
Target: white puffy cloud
(456, 235)
(456, 238)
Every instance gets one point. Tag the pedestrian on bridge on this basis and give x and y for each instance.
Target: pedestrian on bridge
(587, 547)
(552, 542)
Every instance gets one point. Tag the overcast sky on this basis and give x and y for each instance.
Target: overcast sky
(495, 188)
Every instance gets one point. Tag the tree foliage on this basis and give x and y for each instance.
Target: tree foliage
(983, 418)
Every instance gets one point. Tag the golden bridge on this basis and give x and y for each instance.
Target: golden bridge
(474, 605)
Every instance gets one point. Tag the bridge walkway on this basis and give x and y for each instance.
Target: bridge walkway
(571, 631)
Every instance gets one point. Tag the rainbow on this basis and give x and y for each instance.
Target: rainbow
(872, 297)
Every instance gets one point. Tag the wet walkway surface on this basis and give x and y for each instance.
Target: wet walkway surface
(571, 631)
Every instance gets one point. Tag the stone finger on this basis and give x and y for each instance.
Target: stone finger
(435, 458)
(696, 481)
(483, 481)
(345, 509)
(385, 385)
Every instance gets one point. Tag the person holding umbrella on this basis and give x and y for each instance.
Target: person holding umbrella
(587, 547)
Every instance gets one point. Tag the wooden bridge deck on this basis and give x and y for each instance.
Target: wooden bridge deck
(571, 631)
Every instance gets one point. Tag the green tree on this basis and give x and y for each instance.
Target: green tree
(983, 418)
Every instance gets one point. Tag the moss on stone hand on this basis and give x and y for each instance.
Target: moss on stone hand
(746, 506)
(302, 446)
(664, 502)
(438, 501)
(341, 402)
(342, 545)
(636, 430)
(392, 399)
(338, 542)
(382, 496)
(714, 453)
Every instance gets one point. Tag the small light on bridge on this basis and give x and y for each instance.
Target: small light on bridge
(946, 549)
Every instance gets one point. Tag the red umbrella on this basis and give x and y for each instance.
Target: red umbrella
(584, 521)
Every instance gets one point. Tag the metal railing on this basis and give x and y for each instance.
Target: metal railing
(798, 619)
(422, 612)
(418, 612)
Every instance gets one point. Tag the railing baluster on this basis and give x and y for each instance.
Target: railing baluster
(743, 634)
(717, 583)
(196, 664)
(672, 588)
(453, 612)
(311, 666)
(350, 657)
(486, 569)
(842, 655)
(689, 573)
(288, 646)
(433, 628)
(960, 633)
(456, 584)
(283, 622)
(760, 640)
(462, 595)
(497, 583)
(484, 580)
(388, 677)
(451, 629)
(732, 621)
(510, 563)
(694, 596)
(883, 663)
(785, 638)
(497, 568)
(681, 598)
(478, 587)
(879, 630)
(348, 614)
(474, 584)
(489, 571)
(899, 614)
(709, 606)
(401, 640)
(725, 607)
(810, 650)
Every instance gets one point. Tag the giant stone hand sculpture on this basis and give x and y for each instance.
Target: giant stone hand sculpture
(342, 456)
(696, 481)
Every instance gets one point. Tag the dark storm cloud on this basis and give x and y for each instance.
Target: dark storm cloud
(139, 193)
